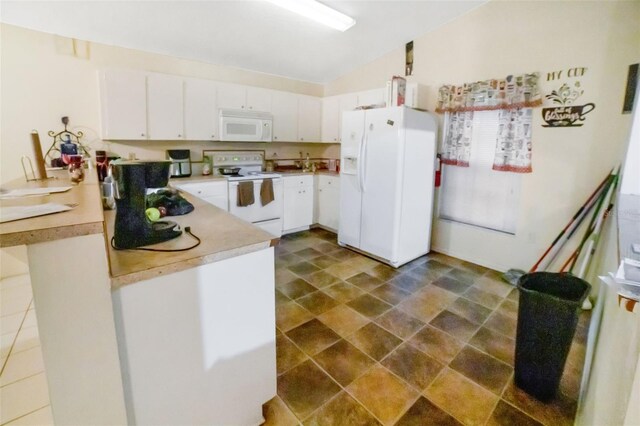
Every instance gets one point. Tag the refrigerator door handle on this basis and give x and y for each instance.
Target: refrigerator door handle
(363, 161)
(360, 166)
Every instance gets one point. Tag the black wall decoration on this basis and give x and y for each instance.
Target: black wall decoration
(408, 68)
(630, 92)
(563, 112)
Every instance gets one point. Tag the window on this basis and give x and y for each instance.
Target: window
(477, 195)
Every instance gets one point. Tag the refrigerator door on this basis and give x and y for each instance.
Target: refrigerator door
(350, 193)
(382, 152)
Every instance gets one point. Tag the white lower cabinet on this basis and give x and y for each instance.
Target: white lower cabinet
(216, 193)
(298, 202)
(328, 201)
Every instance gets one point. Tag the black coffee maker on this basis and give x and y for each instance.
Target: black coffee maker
(132, 227)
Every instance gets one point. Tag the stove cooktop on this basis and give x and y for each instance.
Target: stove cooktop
(254, 176)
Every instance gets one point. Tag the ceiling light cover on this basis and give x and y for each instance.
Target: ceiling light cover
(318, 12)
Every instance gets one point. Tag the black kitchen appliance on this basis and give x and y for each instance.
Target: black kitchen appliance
(180, 162)
(132, 227)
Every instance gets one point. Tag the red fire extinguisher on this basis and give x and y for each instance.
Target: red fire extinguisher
(438, 170)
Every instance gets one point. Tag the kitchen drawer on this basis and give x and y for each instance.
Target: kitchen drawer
(205, 189)
(328, 182)
(300, 180)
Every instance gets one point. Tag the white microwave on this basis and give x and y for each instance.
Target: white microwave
(245, 126)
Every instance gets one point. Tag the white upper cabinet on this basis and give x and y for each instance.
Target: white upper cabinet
(372, 97)
(123, 104)
(165, 107)
(285, 116)
(200, 110)
(330, 119)
(235, 96)
(259, 99)
(309, 118)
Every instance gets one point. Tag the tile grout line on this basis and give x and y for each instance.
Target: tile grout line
(15, 338)
(24, 415)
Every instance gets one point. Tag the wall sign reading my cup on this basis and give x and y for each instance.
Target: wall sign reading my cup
(564, 112)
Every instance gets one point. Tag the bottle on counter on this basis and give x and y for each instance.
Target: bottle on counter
(206, 165)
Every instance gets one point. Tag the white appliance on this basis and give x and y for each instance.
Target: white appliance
(267, 217)
(245, 126)
(387, 182)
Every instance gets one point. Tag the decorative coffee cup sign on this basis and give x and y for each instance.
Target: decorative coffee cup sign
(564, 112)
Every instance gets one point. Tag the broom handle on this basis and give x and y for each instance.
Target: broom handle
(573, 219)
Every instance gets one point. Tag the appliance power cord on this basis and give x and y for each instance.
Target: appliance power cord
(187, 230)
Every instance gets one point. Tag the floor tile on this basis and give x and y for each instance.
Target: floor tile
(399, 323)
(290, 315)
(317, 302)
(313, 336)
(482, 369)
(494, 286)
(343, 292)
(10, 324)
(324, 261)
(343, 320)
(443, 258)
(466, 277)
(23, 397)
(425, 413)
(369, 306)
(15, 299)
(321, 279)
(305, 388)
(459, 327)
(472, 267)
(386, 396)
(287, 354)
(415, 367)
(288, 259)
(434, 265)
(422, 308)
(27, 338)
(437, 295)
(308, 253)
(284, 275)
(344, 362)
(484, 298)
(451, 284)
(303, 268)
(495, 344)
(343, 254)
(560, 411)
(15, 281)
(424, 273)
(276, 413)
(343, 270)
(22, 365)
(514, 295)
(436, 343)
(365, 281)
(470, 310)
(281, 298)
(508, 308)
(296, 288)
(325, 247)
(341, 410)
(502, 324)
(507, 415)
(383, 272)
(390, 294)
(364, 263)
(374, 341)
(467, 401)
(407, 283)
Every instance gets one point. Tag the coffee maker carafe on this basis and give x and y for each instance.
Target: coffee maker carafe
(132, 227)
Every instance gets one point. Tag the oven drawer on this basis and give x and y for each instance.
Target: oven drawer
(256, 212)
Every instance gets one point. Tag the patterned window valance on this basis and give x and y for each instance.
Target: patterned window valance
(511, 93)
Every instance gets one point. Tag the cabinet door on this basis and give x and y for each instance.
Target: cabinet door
(165, 107)
(124, 104)
(285, 116)
(259, 99)
(372, 97)
(298, 207)
(348, 102)
(289, 216)
(232, 96)
(309, 118)
(200, 110)
(330, 119)
(304, 206)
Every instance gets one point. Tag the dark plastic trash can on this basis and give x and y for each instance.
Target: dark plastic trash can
(547, 317)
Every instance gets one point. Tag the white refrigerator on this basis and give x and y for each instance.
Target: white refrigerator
(387, 182)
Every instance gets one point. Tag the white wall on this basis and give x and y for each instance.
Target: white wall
(510, 37)
(41, 82)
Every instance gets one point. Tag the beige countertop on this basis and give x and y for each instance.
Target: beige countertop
(85, 219)
(222, 236)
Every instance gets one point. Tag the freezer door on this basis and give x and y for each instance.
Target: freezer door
(382, 153)
(350, 193)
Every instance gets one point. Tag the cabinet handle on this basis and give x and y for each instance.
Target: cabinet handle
(179, 136)
(275, 137)
(213, 136)
(335, 139)
(250, 107)
(301, 139)
(141, 134)
(242, 106)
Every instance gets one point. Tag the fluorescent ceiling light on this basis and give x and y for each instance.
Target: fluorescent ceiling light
(318, 12)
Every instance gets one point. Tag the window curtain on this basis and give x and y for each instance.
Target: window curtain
(514, 97)
(457, 140)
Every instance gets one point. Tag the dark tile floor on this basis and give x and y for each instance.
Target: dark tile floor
(361, 343)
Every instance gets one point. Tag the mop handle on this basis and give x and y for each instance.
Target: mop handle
(573, 219)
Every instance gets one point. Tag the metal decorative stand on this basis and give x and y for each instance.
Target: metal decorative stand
(64, 137)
